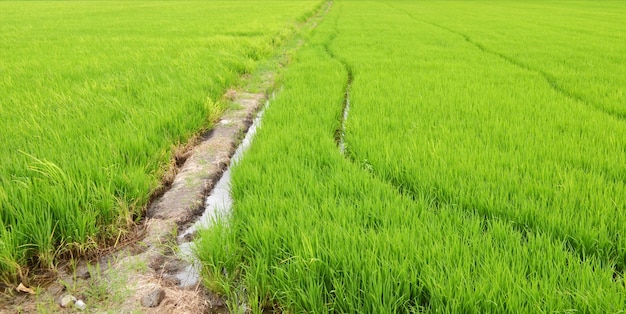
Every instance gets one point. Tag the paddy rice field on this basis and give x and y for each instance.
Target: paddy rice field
(484, 167)
(96, 97)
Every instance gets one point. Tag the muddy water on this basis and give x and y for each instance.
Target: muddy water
(346, 109)
(217, 204)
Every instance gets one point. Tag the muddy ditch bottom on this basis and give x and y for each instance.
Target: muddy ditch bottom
(218, 204)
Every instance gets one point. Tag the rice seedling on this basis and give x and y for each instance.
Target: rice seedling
(470, 184)
(480, 122)
(94, 99)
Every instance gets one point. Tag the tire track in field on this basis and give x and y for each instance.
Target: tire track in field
(572, 243)
(439, 196)
(423, 300)
(526, 229)
(341, 128)
(552, 82)
(549, 78)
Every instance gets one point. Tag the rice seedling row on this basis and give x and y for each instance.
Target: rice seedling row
(95, 98)
(495, 137)
(470, 183)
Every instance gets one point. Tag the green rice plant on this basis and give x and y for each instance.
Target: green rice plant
(314, 231)
(466, 117)
(578, 48)
(94, 99)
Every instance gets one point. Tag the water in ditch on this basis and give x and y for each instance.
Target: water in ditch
(217, 204)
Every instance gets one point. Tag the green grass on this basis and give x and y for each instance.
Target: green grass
(478, 176)
(497, 128)
(94, 98)
(578, 47)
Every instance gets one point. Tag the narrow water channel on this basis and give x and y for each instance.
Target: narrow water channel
(344, 118)
(217, 204)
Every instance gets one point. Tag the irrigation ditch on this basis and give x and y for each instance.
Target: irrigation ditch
(156, 272)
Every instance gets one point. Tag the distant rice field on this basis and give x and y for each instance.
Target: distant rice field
(94, 99)
(484, 170)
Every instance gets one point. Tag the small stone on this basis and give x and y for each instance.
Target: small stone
(67, 300)
(153, 299)
(80, 305)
